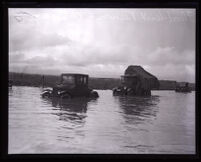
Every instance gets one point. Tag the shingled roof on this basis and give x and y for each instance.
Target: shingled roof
(138, 70)
(135, 70)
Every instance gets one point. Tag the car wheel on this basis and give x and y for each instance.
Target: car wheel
(94, 94)
(46, 94)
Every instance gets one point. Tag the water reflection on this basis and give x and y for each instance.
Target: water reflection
(71, 105)
(108, 125)
(70, 109)
(138, 109)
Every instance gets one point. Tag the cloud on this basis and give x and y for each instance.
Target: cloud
(175, 72)
(103, 42)
(169, 55)
(29, 40)
(16, 57)
(111, 62)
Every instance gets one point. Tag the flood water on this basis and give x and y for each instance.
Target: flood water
(161, 124)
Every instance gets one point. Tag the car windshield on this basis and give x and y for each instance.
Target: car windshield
(67, 79)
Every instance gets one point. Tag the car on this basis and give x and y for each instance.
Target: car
(71, 86)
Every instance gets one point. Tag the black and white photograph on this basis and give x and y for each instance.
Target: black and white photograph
(102, 81)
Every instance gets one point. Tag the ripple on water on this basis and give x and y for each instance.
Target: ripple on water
(163, 123)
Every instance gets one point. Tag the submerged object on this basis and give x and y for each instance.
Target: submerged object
(137, 82)
(183, 88)
(70, 86)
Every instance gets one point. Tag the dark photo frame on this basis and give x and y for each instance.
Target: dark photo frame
(4, 111)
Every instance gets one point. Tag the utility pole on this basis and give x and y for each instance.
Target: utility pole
(43, 81)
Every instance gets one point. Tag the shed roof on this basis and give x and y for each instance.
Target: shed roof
(134, 70)
(146, 77)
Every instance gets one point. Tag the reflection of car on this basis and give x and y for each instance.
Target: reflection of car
(70, 86)
(72, 105)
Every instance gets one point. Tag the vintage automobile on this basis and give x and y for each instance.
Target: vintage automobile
(71, 86)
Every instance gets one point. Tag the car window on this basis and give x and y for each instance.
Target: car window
(85, 80)
(81, 80)
(68, 79)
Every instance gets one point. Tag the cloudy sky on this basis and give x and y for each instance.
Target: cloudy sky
(103, 42)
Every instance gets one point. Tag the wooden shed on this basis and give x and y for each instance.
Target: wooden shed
(137, 81)
(136, 73)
